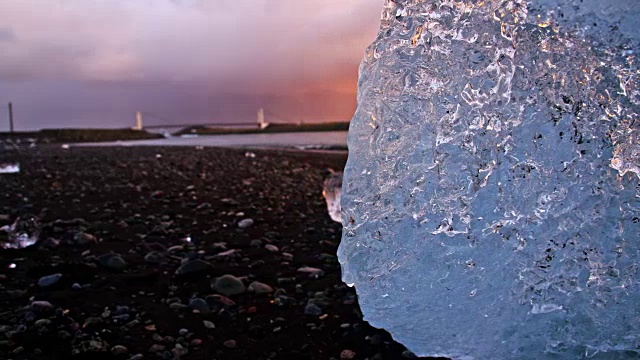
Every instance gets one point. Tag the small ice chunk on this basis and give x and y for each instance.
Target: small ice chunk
(332, 191)
(9, 168)
(23, 232)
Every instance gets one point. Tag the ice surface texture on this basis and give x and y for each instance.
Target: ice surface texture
(491, 199)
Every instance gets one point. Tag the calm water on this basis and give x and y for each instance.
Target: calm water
(323, 139)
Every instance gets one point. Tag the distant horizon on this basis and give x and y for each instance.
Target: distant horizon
(154, 127)
(79, 64)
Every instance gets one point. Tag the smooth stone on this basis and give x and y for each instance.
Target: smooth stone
(312, 309)
(178, 306)
(42, 322)
(119, 350)
(155, 348)
(245, 223)
(260, 288)
(347, 355)
(200, 305)
(208, 324)
(154, 257)
(271, 248)
(112, 261)
(229, 285)
(230, 344)
(49, 280)
(193, 266)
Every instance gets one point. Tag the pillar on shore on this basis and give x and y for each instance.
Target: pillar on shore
(138, 121)
(11, 129)
(261, 123)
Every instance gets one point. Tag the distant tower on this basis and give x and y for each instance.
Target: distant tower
(138, 121)
(261, 123)
(11, 117)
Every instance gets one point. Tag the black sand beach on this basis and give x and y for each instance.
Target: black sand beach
(139, 235)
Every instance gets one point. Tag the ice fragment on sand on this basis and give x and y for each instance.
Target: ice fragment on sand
(9, 168)
(331, 190)
(492, 193)
(25, 231)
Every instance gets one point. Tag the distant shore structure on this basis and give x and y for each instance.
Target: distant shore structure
(11, 129)
(262, 124)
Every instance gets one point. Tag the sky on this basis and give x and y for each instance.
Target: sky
(94, 63)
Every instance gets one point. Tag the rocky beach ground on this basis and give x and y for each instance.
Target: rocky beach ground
(177, 253)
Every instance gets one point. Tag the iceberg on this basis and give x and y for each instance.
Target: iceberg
(491, 198)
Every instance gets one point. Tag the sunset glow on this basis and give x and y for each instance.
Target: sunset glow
(77, 63)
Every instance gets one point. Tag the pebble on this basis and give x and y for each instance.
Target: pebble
(154, 257)
(42, 322)
(49, 280)
(112, 261)
(200, 305)
(183, 332)
(245, 223)
(347, 355)
(271, 248)
(260, 288)
(156, 348)
(408, 355)
(193, 266)
(229, 285)
(119, 350)
(83, 238)
(313, 272)
(256, 243)
(41, 305)
(196, 342)
(137, 357)
(76, 286)
(312, 309)
(230, 344)
(175, 248)
(178, 351)
(208, 324)
(178, 306)
(375, 340)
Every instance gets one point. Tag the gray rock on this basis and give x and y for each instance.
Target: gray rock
(154, 257)
(271, 248)
(42, 322)
(112, 261)
(178, 306)
(156, 348)
(228, 285)
(260, 288)
(312, 309)
(208, 324)
(193, 267)
(49, 280)
(83, 238)
(119, 350)
(41, 306)
(200, 305)
(245, 223)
